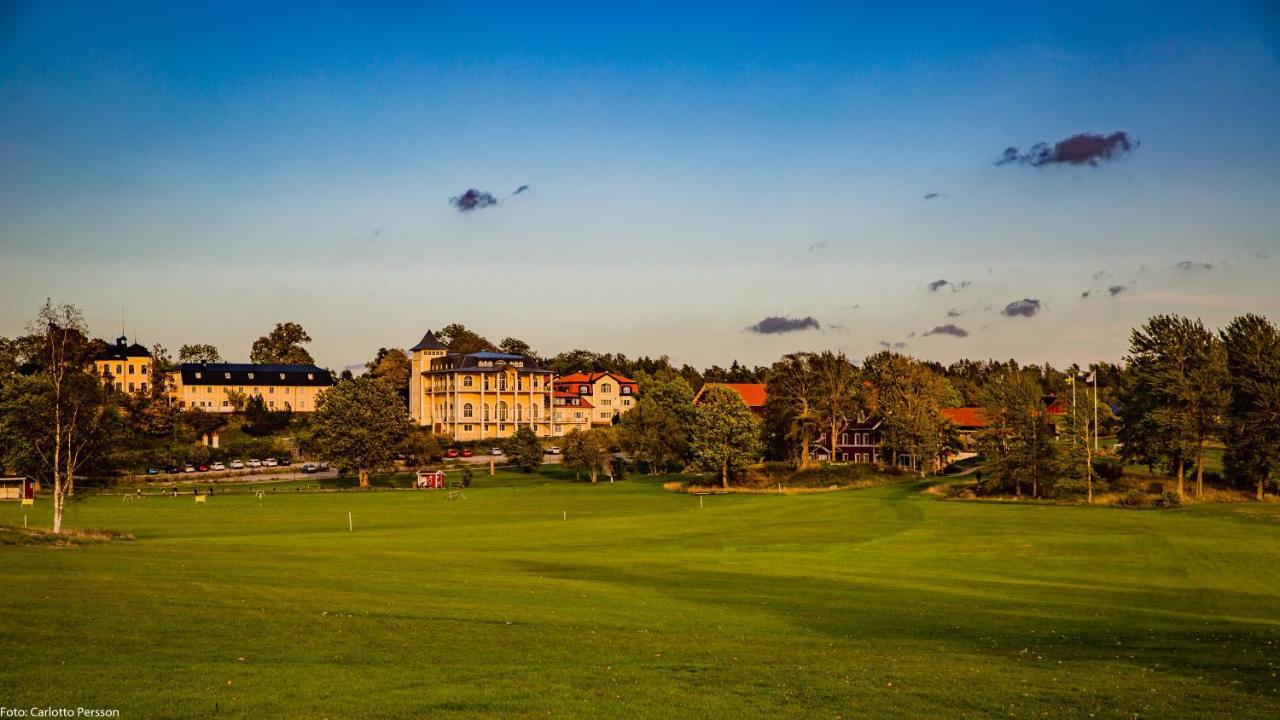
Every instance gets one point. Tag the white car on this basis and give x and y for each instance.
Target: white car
(217, 466)
(553, 450)
(188, 468)
(496, 451)
(255, 463)
(237, 464)
(270, 462)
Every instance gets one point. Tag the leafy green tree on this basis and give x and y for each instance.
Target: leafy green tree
(588, 451)
(391, 365)
(282, 346)
(358, 425)
(461, 340)
(654, 434)
(837, 395)
(1252, 348)
(516, 346)
(1176, 394)
(726, 435)
(523, 450)
(261, 420)
(909, 397)
(199, 353)
(419, 447)
(790, 409)
(1018, 440)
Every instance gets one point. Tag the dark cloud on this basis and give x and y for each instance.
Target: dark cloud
(932, 195)
(1193, 265)
(778, 325)
(1083, 149)
(962, 285)
(948, 329)
(1100, 274)
(954, 313)
(1116, 290)
(837, 328)
(1086, 294)
(817, 246)
(473, 199)
(892, 345)
(1026, 307)
(937, 285)
(522, 188)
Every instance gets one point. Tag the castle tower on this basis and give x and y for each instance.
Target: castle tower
(420, 357)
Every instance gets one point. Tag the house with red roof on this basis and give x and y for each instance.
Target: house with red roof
(753, 394)
(601, 397)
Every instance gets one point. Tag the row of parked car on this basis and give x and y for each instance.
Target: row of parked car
(219, 466)
(467, 452)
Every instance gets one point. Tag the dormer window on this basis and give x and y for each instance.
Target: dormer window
(226, 376)
(197, 375)
(583, 389)
(311, 376)
(250, 376)
(281, 376)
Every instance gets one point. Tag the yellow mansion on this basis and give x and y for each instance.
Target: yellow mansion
(479, 395)
(127, 367)
(220, 387)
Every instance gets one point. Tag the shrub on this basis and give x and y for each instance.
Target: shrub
(1170, 499)
(618, 468)
(1134, 498)
(1109, 469)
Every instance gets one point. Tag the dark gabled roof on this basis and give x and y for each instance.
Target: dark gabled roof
(429, 342)
(238, 374)
(122, 349)
(497, 362)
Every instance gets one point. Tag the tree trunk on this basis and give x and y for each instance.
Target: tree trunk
(364, 477)
(57, 462)
(1261, 481)
(594, 472)
(1200, 470)
(1180, 486)
(724, 473)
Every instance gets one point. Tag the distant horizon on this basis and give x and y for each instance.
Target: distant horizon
(709, 183)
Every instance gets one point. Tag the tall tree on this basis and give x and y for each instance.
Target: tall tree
(1018, 440)
(461, 340)
(838, 393)
(588, 451)
(358, 424)
(726, 436)
(516, 346)
(391, 365)
(200, 353)
(790, 410)
(1177, 392)
(523, 449)
(909, 397)
(1252, 348)
(653, 434)
(282, 346)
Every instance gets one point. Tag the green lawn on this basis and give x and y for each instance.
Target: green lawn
(870, 603)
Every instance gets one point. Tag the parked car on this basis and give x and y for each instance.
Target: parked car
(217, 466)
(553, 450)
(203, 468)
(451, 453)
(237, 464)
(466, 452)
(173, 470)
(153, 471)
(255, 463)
(286, 462)
(310, 468)
(270, 462)
(188, 468)
(496, 451)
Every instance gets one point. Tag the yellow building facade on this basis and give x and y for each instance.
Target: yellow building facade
(477, 396)
(225, 387)
(127, 367)
(607, 395)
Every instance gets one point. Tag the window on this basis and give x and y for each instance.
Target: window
(209, 389)
(132, 369)
(197, 375)
(226, 376)
(626, 402)
(143, 369)
(250, 376)
(271, 390)
(626, 389)
(502, 383)
(143, 387)
(130, 387)
(606, 388)
(467, 382)
(533, 412)
(467, 428)
(281, 376)
(519, 412)
(605, 403)
(311, 376)
(844, 438)
(578, 415)
(502, 412)
(584, 389)
(225, 403)
(120, 370)
(468, 410)
(272, 403)
(486, 411)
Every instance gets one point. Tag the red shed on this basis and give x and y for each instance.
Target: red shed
(17, 488)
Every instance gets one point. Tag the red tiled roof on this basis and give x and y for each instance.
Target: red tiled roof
(578, 377)
(966, 417)
(753, 394)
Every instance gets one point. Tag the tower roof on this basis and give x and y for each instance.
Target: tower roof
(429, 342)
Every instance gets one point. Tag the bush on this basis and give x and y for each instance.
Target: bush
(618, 468)
(1108, 469)
(1170, 499)
(1134, 498)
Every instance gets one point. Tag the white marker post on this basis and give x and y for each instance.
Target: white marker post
(349, 526)
(699, 502)
(566, 514)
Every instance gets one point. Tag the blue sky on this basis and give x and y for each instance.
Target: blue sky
(214, 170)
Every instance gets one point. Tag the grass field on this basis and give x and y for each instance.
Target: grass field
(869, 603)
